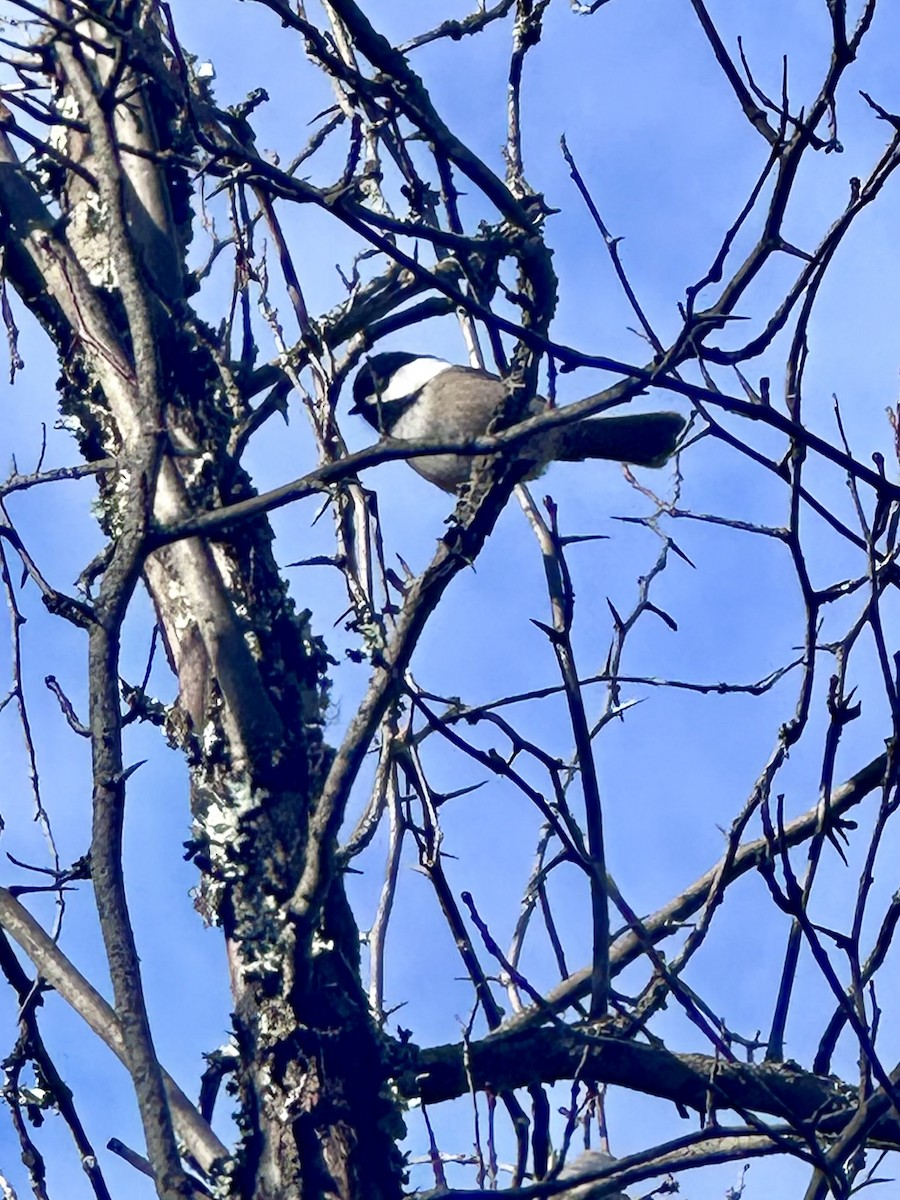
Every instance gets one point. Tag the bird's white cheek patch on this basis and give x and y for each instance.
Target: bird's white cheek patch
(412, 378)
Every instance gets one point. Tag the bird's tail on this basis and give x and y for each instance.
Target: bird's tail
(642, 439)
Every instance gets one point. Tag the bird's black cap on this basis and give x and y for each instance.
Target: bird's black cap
(376, 373)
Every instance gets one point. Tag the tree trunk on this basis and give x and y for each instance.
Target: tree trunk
(149, 392)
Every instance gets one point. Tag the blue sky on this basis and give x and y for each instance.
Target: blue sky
(660, 141)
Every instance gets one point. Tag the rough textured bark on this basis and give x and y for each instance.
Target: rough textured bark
(153, 398)
(95, 231)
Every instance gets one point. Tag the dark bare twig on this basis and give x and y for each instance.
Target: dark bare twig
(163, 402)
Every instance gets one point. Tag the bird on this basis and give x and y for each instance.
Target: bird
(418, 397)
(588, 1163)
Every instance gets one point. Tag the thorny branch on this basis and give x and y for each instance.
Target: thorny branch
(112, 142)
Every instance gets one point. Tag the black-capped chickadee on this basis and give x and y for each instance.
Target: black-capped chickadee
(587, 1163)
(420, 398)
